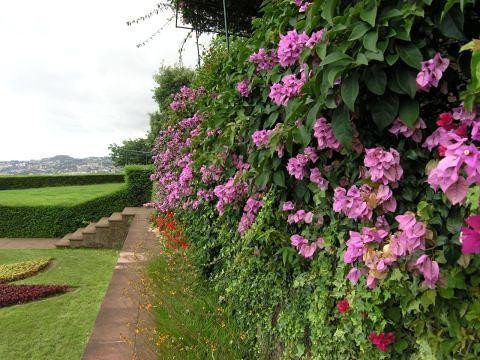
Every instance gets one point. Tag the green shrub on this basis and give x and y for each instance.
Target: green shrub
(56, 221)
(358, 89)
(139, 185)
(37, 181)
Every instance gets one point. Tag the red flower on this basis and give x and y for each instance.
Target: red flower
(445, 120)
(461, 130)
(382, 340)
(441, 150)
(343, 306)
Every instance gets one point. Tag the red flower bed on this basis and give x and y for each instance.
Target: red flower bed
(16, 294)
(168, 229)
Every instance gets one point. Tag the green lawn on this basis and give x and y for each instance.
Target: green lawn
(59, 195)
(56, 328)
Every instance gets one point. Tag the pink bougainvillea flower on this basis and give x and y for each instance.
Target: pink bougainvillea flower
(429, 269)
(242, 88)
(354, 274)
(399, 127)
(290, 47)
(289, 86)
(431, 72)
(322, 131)
(317, 178)
(296, 166)
(343, 306)
(351, 203)
(315, 38)
(261, 137)
(288, 205)
(470, 237)
(382, 340)
(383, 166)
(264, 60)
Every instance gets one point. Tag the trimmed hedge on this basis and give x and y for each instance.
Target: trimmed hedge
(37, 181)
(138, 182)
(56, 221)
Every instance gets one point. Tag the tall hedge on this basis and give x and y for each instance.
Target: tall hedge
(37, 181)
(56, 221)
(327, 173)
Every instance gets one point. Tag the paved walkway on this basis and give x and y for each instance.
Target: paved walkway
(124, 328)
(34, 243)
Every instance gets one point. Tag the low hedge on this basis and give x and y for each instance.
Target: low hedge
(56, 221)
(37, 181)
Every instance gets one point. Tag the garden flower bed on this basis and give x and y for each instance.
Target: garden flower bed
(17, 294)
(21, 270)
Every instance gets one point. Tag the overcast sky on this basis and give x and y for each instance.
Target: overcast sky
(72, 80)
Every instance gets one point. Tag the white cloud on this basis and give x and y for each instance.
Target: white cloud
(72, 80)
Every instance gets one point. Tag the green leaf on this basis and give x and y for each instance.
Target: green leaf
(329, 10)
(370, 41)
(358, 31)
(428, 298)
(376, 80)
(312, 114)
(410, 55)
(279, 178)
(452, 24)
(342, 127)
(384, 110)
(292, 108)
(406, 81)
(369, 12)
(333, 57)
(349, 90)
(263, 178)
(409, 111)
(391, 59)
(361, 59)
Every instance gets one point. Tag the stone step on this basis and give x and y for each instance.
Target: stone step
(116, 217)
(64, 242)
(76, 239)
(90, 229)
(102, 223)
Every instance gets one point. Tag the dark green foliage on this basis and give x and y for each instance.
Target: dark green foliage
(37, 181)
(56, 221)
(139, 185)
(208, 15)
(131, 151)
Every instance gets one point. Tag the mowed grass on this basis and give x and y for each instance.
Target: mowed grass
(59, 195)
(191, 324)
(59, 327)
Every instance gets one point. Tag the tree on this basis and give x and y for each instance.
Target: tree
(170, 79)
(131, 151)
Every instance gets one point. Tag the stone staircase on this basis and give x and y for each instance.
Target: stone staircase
(108, 232)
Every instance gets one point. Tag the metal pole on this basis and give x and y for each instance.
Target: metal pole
(226, 24)
(198, 49)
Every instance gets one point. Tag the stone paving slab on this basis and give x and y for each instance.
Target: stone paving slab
(122, 326)
(24, 243)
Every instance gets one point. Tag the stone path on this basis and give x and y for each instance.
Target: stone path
(124, 327)
(23, 243)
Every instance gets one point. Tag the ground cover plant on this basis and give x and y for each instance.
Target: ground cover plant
(190, 322)
(60, 195)
(57, 327)
(21, 270)
(341, 142)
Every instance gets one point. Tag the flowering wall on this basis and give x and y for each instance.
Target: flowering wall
(326, 173)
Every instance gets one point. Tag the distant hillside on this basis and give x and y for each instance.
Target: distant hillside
(59, 164)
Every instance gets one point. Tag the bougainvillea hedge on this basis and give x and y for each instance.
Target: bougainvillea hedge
(21, 270)
(17, 294)
(326, 173)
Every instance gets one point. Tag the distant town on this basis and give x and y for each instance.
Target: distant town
(60, 164)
